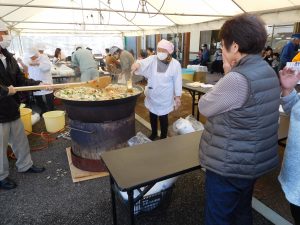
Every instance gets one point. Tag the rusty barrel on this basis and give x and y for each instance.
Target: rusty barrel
(90, 140)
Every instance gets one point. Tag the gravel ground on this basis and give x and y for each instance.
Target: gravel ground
(52, 198)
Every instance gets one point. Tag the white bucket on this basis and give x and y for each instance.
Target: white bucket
(54, 120)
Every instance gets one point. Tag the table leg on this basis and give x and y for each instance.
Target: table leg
(193, 102)
(131, 206)
(113, 201)
(198, 113)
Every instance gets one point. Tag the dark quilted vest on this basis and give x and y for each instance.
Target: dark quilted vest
(243, 142)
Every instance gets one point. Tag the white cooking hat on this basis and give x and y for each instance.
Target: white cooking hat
(32, 52)
(3, 27)
(41, 46)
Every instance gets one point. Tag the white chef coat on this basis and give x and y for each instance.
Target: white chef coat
(41, 72)
(162, 87)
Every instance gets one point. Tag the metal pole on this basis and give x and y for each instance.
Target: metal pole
(110, 10)
(74, 23)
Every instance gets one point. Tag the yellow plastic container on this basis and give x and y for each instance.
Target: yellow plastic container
(188, 77)
(54, 121)
(26, 119)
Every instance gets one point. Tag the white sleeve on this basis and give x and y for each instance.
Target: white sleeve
(45, 65)
(177, 79)
(145, 66)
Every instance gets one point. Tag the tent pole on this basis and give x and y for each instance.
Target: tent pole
(109, 10)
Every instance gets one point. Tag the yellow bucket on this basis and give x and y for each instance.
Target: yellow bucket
(54, 120)
(26, 119)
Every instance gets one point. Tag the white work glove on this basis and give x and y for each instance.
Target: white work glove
(135, 67)
(177, 102)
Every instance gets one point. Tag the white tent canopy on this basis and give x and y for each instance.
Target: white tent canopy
(125, 16)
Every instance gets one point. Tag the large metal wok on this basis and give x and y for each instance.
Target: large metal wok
(100, 111)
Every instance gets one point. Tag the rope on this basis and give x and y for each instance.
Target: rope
(46, 137)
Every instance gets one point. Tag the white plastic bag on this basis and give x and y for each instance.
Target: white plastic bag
(35, 117)
(183, 126)
(197, 125)
(140, 138)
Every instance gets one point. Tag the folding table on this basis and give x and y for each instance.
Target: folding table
(146, 164)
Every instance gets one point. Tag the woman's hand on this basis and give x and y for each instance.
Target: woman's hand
(288, 80)
(177, 102)
(227, 66)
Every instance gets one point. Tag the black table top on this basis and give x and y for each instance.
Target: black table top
(144, 164)
(202, 90)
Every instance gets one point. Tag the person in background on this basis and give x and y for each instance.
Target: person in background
(205, 55)
(143, 54)
(57, 56)
(200, 55)
(217, 65)
(289, 176)
(150, 51)
(83, 59)
(111, 63)
(39, 68)
(269, 55)
(126, 61)
(289, 50)
(164, 87)
(91, 50)
(263, 52)
(275, 62)
(11, 126)
(239, 143)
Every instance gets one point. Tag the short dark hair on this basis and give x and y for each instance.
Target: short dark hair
(107, 50)
(247, 30)
(143, 54)
(150, 49)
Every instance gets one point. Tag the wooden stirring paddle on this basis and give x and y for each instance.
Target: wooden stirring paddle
(100, 82)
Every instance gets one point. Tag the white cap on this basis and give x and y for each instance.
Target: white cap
(41, 46)
(3, 27)
(32, 52)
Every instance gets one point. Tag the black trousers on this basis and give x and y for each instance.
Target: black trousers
(295, 210)
(45, 107)
(163, 125)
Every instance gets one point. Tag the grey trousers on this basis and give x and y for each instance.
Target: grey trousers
(13, 133)
(89, 74)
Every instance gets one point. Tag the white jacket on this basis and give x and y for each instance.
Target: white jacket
(162, 87)
(41, 72)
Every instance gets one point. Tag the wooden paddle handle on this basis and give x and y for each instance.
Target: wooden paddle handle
(50, 86)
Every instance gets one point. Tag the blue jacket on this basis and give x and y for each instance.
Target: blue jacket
(287, 54)
(290, 171)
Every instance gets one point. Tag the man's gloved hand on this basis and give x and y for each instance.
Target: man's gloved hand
(135, 67)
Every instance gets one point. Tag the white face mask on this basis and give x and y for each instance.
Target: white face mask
(162, 55)
(5, 43)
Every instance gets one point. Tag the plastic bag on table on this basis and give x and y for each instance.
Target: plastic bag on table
(197, 125)
(140, 138)
(183, 126)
